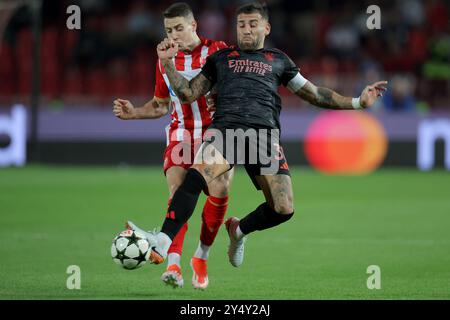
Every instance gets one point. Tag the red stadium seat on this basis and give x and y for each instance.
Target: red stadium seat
(24, 83)
(119, 77)
(96, 83)
(119, 85)
(50, 41)
(7, 74)
(24, 49)
(73, 83)
(143, 76)
(50, 64)
(69, 41)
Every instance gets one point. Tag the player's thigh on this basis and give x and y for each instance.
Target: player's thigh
(175, 176)
(278, 192)
(220, 187)
(210, 162)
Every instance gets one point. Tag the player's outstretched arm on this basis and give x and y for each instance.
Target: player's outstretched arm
(329, 99)
(186, 91)
(155, 108)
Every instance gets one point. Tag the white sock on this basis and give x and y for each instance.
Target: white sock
(164, 243)
(202, 251)
(173, 258)
(239, 234)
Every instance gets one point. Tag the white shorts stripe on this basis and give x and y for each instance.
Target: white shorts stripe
(179, 110)
(197, 120)
(167, 134)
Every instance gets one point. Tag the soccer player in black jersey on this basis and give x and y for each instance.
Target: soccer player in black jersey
(246, 78)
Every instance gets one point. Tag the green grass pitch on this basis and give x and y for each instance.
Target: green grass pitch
(53, 217)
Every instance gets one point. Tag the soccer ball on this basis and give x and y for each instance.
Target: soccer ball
(129, 249)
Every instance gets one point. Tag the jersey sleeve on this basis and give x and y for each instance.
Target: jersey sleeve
(290, 70)
(161, 90)
(291, 77)
(209, 69)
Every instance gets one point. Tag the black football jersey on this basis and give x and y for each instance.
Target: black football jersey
(247, 86)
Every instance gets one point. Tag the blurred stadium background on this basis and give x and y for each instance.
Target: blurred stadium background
(113, 55)
(56, 92)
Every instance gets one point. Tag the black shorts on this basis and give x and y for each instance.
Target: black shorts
(259, 150)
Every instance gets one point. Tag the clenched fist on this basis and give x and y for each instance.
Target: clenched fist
(123, 109)
(167, 49)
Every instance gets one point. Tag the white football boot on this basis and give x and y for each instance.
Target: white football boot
(159, 243)
(235, 247)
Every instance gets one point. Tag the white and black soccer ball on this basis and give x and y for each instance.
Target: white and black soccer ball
(129, 249)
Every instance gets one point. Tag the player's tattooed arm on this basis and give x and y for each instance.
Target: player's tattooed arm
(186, 91)
(324, 97)
(329, 99)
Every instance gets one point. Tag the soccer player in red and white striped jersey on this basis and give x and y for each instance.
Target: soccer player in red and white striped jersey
(184, 135)
(195, 116)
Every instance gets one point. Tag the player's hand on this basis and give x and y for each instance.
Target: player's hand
(371, 93)
(210, 102)
(167, 49)
(123, 109)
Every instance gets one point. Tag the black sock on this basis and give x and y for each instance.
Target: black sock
(264, 217)
(183, 202)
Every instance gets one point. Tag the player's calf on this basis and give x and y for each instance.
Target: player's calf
(264, 217)
(212, 218)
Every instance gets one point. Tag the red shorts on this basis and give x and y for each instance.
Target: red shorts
(180, 154)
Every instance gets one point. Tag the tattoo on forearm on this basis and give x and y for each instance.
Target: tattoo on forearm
(324, 97)
(200, 85)
(179, 84)
(186, 90)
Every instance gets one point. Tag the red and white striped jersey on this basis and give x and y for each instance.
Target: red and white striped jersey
(194, 117)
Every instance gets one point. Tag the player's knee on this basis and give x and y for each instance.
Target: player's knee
(201, 168)
(174, 184)
(285, 206)
(284, 209)
(173, 188)
(219, 187)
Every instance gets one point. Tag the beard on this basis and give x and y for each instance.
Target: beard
(253, 45)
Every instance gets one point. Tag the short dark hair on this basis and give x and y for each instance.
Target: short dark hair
(254, 7)
(178, 9)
